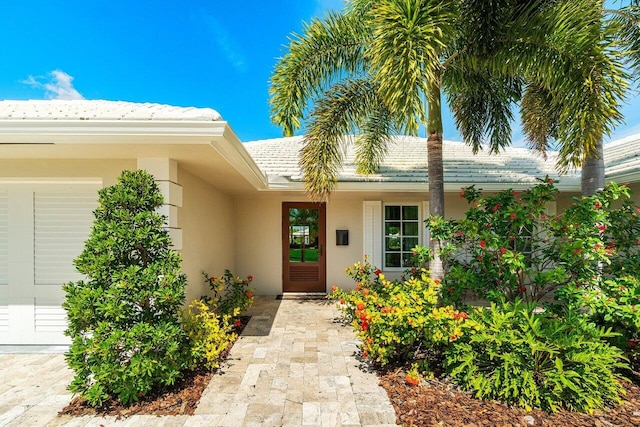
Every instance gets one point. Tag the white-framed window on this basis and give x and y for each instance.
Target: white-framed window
(401, 232)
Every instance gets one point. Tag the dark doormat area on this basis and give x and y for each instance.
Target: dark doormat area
(302, 296)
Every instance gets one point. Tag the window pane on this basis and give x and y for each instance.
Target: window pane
(295, 216)
(392, 212)
(311, 255)
(392, 243)
(409, 212)
(409, 243)
(409, 228)
(392, 228)
(311, 215)
(392, 260)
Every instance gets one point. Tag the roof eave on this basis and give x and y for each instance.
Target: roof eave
(217, 134)
(569, 185)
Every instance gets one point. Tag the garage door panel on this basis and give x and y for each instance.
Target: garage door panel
(4, 310)
(49, 317)
(4, 263)
(43, 228)
(62, 222)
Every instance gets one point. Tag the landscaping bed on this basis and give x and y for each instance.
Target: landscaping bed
(436, 402)
(179, 399)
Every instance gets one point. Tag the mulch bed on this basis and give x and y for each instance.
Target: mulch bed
(181, 398)
(438, 403)
(432, 403)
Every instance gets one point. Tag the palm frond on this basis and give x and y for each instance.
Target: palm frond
(372, 143)
(627, 20)
(539, 118)
(482, 105)
(565, 48)
(323, 53)
(340, 112)
(405, 54)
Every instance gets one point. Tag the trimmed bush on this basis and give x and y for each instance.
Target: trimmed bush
(124, 318)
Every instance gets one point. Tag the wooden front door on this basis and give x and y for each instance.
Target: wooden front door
(303, 247)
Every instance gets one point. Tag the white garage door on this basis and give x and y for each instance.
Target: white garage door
(42, 230)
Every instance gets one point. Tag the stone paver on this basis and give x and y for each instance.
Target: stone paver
(294, 365)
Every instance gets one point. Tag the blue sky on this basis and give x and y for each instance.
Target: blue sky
(202, 53)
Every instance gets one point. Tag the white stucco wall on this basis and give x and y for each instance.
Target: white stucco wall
(107, 170)
(259, 235)
(207, 219)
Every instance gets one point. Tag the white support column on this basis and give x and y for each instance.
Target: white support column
(165, 171)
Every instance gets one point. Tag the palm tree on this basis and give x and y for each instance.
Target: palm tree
(380, 68)
(625, 21)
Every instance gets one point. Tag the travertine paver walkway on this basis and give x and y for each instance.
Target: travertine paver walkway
(294, 365)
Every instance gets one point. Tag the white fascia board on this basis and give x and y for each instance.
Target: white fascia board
(217, 134)
(230, 147)
(419, 187)
(55, 180)
(624, 176)
(23, 129)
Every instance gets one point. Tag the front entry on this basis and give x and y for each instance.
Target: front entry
(303, 247)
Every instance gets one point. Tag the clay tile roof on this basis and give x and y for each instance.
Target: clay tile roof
(101, 110)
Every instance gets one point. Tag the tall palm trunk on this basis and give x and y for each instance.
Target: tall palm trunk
(435, 169)
(593, 172)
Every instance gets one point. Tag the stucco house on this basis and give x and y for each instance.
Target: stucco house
(229, 205)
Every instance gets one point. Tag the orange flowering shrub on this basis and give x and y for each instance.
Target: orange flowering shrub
(399, 320)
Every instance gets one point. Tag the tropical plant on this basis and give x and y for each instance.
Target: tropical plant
(210, 333)
(508, 247)
(210, 321)
(231, 294)
(380, 68)
(124, 318)
(400, 320)
(537, 359)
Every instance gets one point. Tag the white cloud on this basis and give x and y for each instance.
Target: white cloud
(57, 85)
(226, 45)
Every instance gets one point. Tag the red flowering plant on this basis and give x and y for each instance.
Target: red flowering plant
(612, 296)
(501, 249)
(231, 294)
(399, 321)
(508, 248)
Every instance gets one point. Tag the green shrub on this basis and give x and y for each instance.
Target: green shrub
(209, 321)
(209, 333)
(398, 321)
(507, 247)
(537, 360)
(231, 294)
(124, 318)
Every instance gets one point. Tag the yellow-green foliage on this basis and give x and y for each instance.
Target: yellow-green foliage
(209, 333)
(396, 320)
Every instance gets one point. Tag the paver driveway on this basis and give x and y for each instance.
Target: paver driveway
(293, 365)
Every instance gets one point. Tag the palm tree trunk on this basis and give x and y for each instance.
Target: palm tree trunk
(593, 171)
(435, 170)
